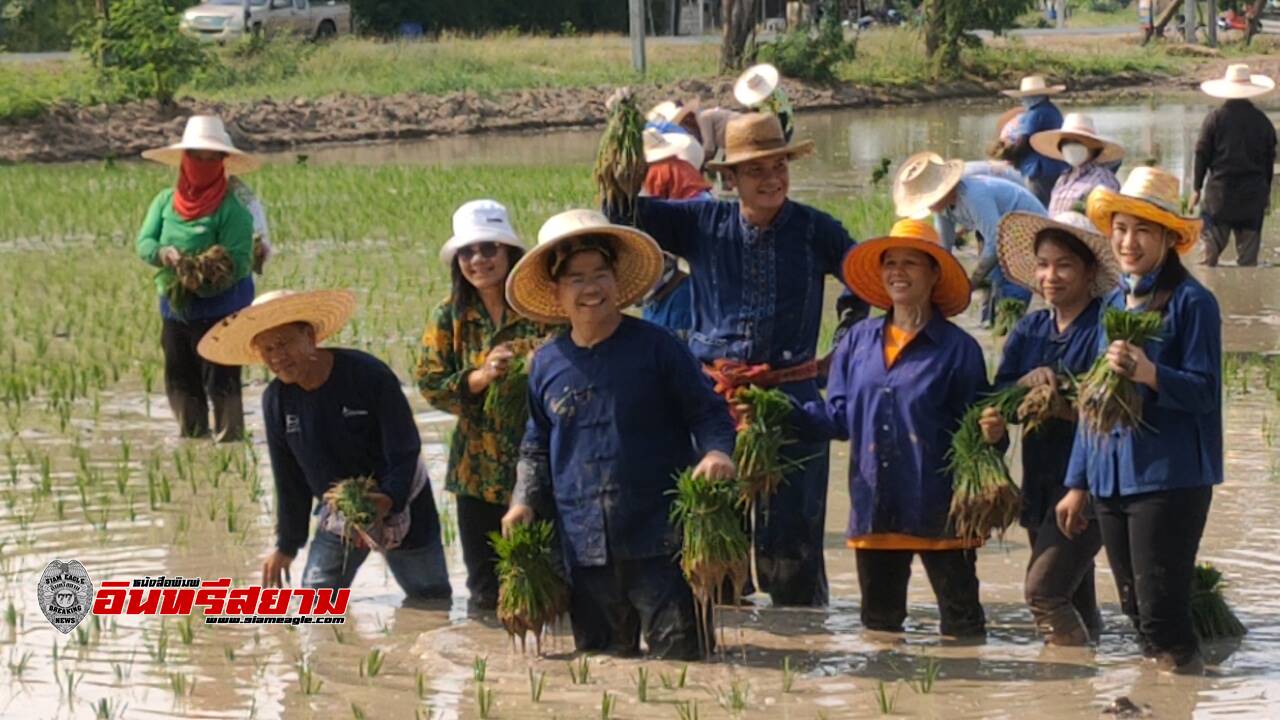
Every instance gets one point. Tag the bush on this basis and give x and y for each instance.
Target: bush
(139, 53)
(273, 60)
(799, 54)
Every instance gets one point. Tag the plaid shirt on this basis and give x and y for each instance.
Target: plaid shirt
(1075, 185)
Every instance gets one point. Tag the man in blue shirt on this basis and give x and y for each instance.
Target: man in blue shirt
(1039, 114)
(617, 409)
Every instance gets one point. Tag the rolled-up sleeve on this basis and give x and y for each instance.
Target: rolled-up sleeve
(533, 470)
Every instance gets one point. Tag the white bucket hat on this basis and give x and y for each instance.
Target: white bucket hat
(1033, 85)
(479, 221)
(1077, 127)
(660, 146)
(1238, 84)
(671, 111)
(205, 132)
(756, 85)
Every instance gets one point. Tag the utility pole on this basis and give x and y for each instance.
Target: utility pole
(637, 35)
(1190, 9)
(1213, 23)
(1061, 13)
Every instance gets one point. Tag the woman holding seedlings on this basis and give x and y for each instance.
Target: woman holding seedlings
(200, 236)
(341, 438)
(1071, 266)
(617, 407)
(472, 366)
(898, 387)
(1149, 445)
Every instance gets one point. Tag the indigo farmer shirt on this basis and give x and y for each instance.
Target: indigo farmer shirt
(1044, 115)
(614, 424)
(898, 422)
(1180, 442)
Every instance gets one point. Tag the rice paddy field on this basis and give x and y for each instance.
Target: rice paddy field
(91, 471)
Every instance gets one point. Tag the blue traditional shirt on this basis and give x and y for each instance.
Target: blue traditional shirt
(1044, 115)
(1180, 442)
(1034, 343)
(899, 422)
(614, 424)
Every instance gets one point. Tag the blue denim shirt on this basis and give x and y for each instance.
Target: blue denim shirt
(615, 423)
(1181, 443)
(1034, 343)
(899, 422)
(944, 221)
(982, 202)
(757, 293)
(1042, 116)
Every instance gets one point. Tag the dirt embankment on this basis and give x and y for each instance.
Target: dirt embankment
(120, 131)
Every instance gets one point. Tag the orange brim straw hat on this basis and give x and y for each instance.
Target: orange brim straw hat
(1151, 194)
(861, 267)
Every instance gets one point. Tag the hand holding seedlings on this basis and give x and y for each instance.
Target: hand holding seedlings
(1039, 376)
(1131, 361)
(992, 424)
(516, 515)
(495, 366)
(275, 569)
(716, 465)
(1070, 512)
(169, 256)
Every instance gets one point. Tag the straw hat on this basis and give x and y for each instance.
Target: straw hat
(1077, 127)
(923, 180)
(752, 136)
(672, 111)
(861, 267)
(756, 84)
(479, 221)
(1032, 86)
(660, 146)
(530, 289)
(1149, 193)
(205, 132)
(1017, 248)
(230, 342)
(1238, 84)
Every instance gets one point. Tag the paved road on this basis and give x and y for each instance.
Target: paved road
(34, 57)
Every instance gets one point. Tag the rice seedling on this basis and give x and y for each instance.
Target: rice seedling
(757, 451)
(106, 709)
(607, 702)
(642, 684)
(203, 275)
(714, 546)
(1109, 401)
(984, 497)
(420, 685)
(926, 676)
(10, 611)
(736, 698)
(1212, 617)
(620, 167)
(479, 668)
(229, 653)
(182, 685)
(687, 710)
(1008, 312)
(788, 675)
(308, 683)
(537, 684)
(531, 593)
(357, 712)
(350, 499)
(580, 670)
(484, 701)
(18, 664)
(885, 700)
(159, 651)
(676, 682)
(371, 664)
(506, 401)
(339, 636)
(186, 630)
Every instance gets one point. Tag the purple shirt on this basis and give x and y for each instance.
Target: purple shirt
(1075, 185)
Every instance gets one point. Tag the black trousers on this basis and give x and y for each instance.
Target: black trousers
(1248, 242)
(612, 606)
(1059, 586)
(1151, 542)
(191, 383)
(476, 519)
(883, 576)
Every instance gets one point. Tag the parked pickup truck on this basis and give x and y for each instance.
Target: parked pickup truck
(228, 20)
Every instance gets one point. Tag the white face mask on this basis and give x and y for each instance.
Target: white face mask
(1075, 154)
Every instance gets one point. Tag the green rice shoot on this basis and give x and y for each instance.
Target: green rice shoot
(620, 165)
(350, 499)
(203, 275)
(531, 594)
(506, 400)
(1109, 401)
(757, 452)
(1008, 312)
(984, 497)
(1210, 614)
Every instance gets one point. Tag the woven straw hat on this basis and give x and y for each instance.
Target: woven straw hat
(1238, 84)
(1017, 248)
(1149, 193)
(479, 221)
(660, 146)
(923, 180)
(861, 267)
(530, 289)
(1077, 127)
(752, 136)
(756, 84)
(230, 342)
(1034, 85)
(672, 111)
(205, 132)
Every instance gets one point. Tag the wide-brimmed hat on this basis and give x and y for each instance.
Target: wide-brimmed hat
(205, 132)
(756, 84)
(923, 180)
(753, 136)
(637, 263)
(479, 221)
(661, 146)
(1149, 193)
(1077, 127)
(230, 341)
(1238, 84)
(861, 267)
(672, 111)
(1032, 86)
(1017, 247)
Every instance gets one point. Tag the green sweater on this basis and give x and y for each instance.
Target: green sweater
(230, 226)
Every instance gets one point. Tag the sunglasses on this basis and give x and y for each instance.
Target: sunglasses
(487, 250)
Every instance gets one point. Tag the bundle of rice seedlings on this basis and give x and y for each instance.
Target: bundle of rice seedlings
(350, 499)
(1008, 312)
(620, 166)
(208, 273)
(1210, 614)
(1107, 399)
(984, 497)
(1045, 402)
(531, 594)
(506, 401)
(757, 452)
(715, 546)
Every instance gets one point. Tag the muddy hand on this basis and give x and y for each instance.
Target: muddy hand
(275, 569)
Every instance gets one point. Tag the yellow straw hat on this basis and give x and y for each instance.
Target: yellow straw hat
(1149, 193)
(230, 342)
(861, 267)
(923, 180)
(637, 264)
(1017, 248)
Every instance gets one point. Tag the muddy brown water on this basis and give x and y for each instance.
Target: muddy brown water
(242, 673)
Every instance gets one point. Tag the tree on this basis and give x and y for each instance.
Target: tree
(739, 17)
(139, 52)
(948, 25)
